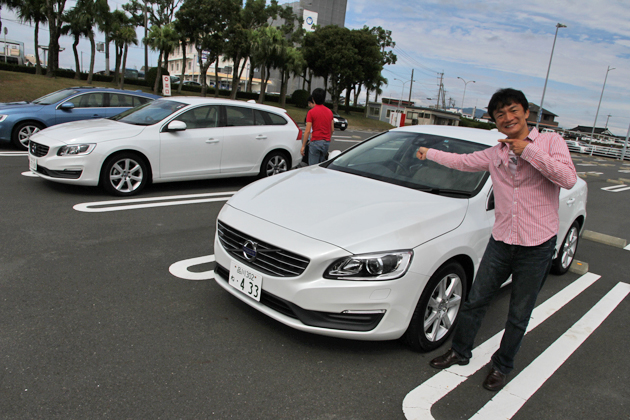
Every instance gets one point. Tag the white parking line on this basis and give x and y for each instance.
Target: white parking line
(180, 268)
(627, 248)
(417, 404)
(116, 205)
(616, 188)
(508, 401)
(13, 154)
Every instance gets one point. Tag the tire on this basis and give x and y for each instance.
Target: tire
(566, 253)
(439, 304)
(124, 174)
(274, 163)
(23, 131)
(342, 129)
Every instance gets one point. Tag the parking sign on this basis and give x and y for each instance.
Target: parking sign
(166, 85)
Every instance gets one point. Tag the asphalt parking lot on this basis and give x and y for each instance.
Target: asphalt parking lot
(109, 311)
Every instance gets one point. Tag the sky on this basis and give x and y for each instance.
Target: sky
(495, 43)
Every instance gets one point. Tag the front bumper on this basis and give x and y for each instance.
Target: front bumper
(365, 310)
(79, 170)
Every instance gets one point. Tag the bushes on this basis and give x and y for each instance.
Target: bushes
(151, 75)
(300, 98)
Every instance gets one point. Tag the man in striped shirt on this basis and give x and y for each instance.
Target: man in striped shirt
(527, 170)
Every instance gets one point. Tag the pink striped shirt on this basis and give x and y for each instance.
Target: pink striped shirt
(526, 203)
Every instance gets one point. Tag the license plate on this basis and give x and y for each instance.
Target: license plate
(32, 163)
(246, 280)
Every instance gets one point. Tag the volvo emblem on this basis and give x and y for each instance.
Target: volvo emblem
(249, 250)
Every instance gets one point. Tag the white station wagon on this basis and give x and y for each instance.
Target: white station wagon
(373, 244)
(170, 139)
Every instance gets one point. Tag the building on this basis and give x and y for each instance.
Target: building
(12, 52)
(414, 115)
(193, 72)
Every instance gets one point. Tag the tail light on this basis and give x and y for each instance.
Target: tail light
(299, 137)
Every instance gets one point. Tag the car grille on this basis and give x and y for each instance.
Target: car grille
(37, 149)
(269, 259)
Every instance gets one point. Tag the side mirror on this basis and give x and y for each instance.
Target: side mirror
(334, 154)
(66, 106)
(176, 126)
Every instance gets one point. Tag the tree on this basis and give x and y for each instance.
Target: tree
(77, 23)
(54, 15)
(163, 39)
(103, 19)
(385, 41)
(123, 34)
(254, 15)
(265, 51)
(205, 23)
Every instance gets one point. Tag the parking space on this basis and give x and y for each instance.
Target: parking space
(109, 310)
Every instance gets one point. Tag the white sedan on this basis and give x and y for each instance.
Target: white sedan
(373, 244)
(170, 139)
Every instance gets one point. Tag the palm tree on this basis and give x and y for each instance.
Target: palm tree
(123, 34)
(163, 39)
(266, 49)
(78, 25)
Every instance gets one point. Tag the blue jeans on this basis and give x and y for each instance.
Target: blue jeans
(317, 151)
(529, 266)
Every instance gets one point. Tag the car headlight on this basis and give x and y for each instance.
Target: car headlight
(336, 120)
(76, 149)
(3, 117)
(381, 266)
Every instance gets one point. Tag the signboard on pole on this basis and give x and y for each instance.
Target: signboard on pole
(310, 19)
(166, 85)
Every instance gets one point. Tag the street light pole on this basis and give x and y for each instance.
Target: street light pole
(464, 95)
(403, 89)
(598, 105)
(542, 100)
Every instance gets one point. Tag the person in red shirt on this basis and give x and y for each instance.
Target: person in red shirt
(320, 120)
(527, 169)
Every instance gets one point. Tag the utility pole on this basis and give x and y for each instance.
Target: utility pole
(441, 92)
(411, 85)
(146, 46)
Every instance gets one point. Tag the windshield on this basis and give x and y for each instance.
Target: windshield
(55, 97)
(149, 113)
(391, 157)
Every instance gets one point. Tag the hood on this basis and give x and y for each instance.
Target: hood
(352, 212)
(90, 131)
(21, 106)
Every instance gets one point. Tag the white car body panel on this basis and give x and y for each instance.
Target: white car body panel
(324, 215)
(195, 153)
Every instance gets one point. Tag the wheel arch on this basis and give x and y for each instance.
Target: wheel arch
(467, 264)
(284, 151)
(116, 153)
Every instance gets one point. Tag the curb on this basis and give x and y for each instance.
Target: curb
(579, 267)
(604, 239)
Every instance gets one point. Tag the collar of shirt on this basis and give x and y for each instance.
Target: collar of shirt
(504, 151)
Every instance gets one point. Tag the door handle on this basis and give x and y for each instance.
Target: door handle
(211, 141)
(261, 137)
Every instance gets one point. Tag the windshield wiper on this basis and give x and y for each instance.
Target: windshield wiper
(445, 191)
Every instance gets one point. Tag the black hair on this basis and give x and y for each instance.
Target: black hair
(319, 96)
(310, 99)
(505, 97)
